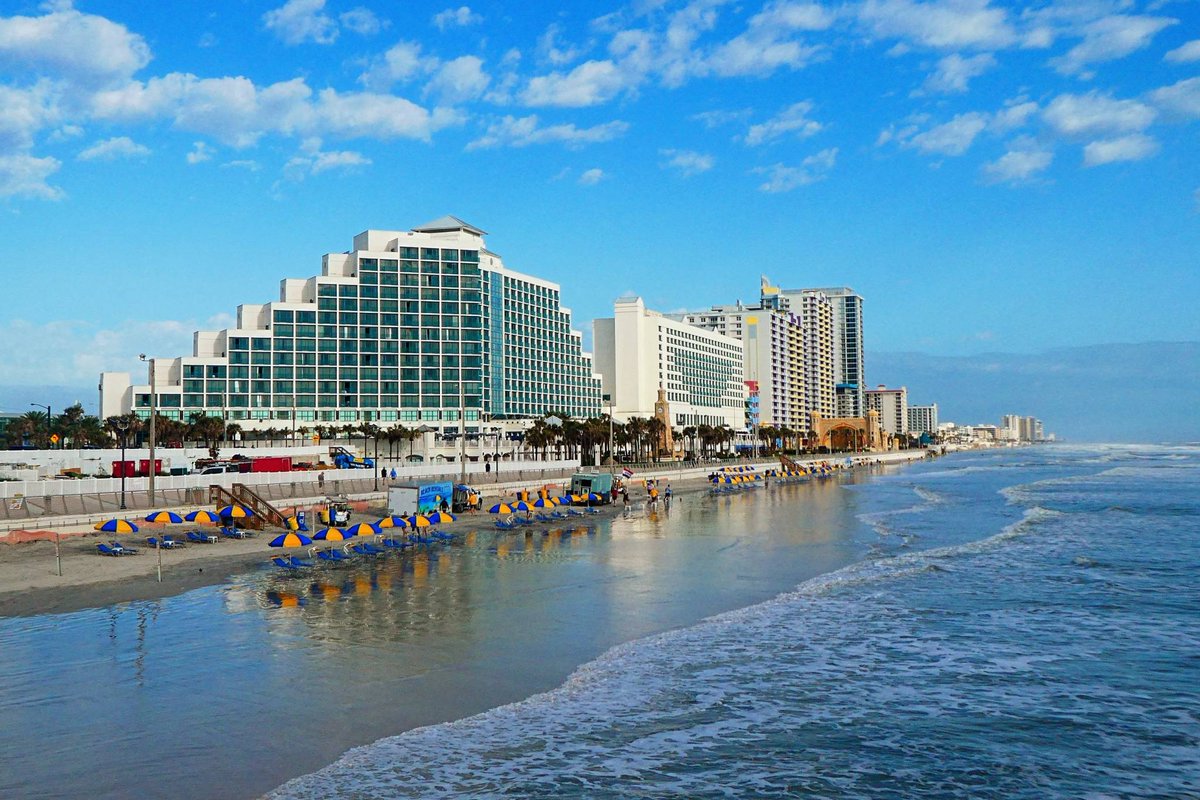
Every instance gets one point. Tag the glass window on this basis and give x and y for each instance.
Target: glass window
(283, 316)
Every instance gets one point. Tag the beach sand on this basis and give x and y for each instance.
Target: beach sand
(30, 583)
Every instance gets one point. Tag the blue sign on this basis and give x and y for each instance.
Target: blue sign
(431, 495)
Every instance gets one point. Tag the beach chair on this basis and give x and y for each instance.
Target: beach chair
(300, 563)
(165, 544)
(122, 550)
(372, 549)
(361, 550)
(170, 541)
(105, 550)
(196, 536)
(283, 563)
(504, 525)
(333, 556)
(442, 536)
(395, 544)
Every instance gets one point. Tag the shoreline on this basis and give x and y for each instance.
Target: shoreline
(31, 587)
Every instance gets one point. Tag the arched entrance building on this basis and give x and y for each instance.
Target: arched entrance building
(850, 433)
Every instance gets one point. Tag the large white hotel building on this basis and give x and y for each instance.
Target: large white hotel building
(425, 326)
(639, 352)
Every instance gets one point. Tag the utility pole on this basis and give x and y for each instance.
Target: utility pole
(462, 418)
(153, 408)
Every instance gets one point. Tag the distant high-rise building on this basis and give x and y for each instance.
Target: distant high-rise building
(892, 405)
(849, 364)
(923, 419)
(701, 372)
(788, 357)
(418, 327)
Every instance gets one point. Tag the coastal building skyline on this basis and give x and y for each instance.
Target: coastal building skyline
(638, 351)
(923, 419)
(421, 326)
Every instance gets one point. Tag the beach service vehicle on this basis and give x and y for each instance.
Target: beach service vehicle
(406, 499)
(599, 482)
(335, 511)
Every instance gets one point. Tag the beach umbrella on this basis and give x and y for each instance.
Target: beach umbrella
(164, 516)
(565, 500)
(235, 512)
(594, 498)
(418, 521)
(500, 508)
(116, 526)
(392, 522)
(290, 540)
(521, 505)
(438, 517)
(543, 502)
(332, 534)
(203, 517)
(362, 529)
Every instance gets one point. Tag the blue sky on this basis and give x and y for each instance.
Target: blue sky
(992, 178)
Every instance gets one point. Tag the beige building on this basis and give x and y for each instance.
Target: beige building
(892, 406)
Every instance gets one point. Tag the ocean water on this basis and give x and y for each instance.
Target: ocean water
(1022, 624)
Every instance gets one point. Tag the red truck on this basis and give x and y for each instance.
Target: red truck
(271, 464)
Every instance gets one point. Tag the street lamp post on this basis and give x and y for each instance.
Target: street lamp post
(49, 432)
(122, 425)
(153, 413)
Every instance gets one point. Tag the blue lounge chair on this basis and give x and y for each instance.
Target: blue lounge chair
(200, 538)
(283, 563)
(505, 526)
(396, 544)
(164, 543)
(372, 549)
(122, 549)
(362, 550)
(299, 562)
(333, 556)
(171, 541)
(442, 536)
(105, 550)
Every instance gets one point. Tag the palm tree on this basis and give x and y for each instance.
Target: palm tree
(655, 432)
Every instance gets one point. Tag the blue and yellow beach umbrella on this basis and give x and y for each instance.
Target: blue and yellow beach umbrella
(418, 521)
(439, 517)
(362, 529)
(292, 539)
(332, 535)
(392, 522)
(203, 517)
(522, 505)
(164, 516)
(235, 512)
(543, 502)
(116, 526)
(500, 508)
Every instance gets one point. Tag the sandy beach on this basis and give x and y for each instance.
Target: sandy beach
(31, 585)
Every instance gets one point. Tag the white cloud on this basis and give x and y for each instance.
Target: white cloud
(242, 163)
(456, 18)
(1180, 99)
(946, 24)
(66, 132)
(549, 49)
(951, 138)
(769, 42)
(25, 176)
(236, 111)
(114, 148)
(1024, 160)
(87, 49)
(459, 80)
(954, 73)
(1185, 53)
(520, 132)
(400, 63)
(1014, 115)
(687, 162)
(713, 119)
(362, 21)
(782, 178)
(1108, 39)
(24, 112)
(592, 176)
(793, 119)
(1133, 147)
(201, 152)
(300, 21)
(312, 160)
(589, 84)
(1095, 113)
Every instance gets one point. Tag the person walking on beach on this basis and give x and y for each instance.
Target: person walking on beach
(625, 498)
(667, 496)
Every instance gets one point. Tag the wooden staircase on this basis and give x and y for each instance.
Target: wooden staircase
(240, 494)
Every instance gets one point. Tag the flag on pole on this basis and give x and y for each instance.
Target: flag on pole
(627, 473)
